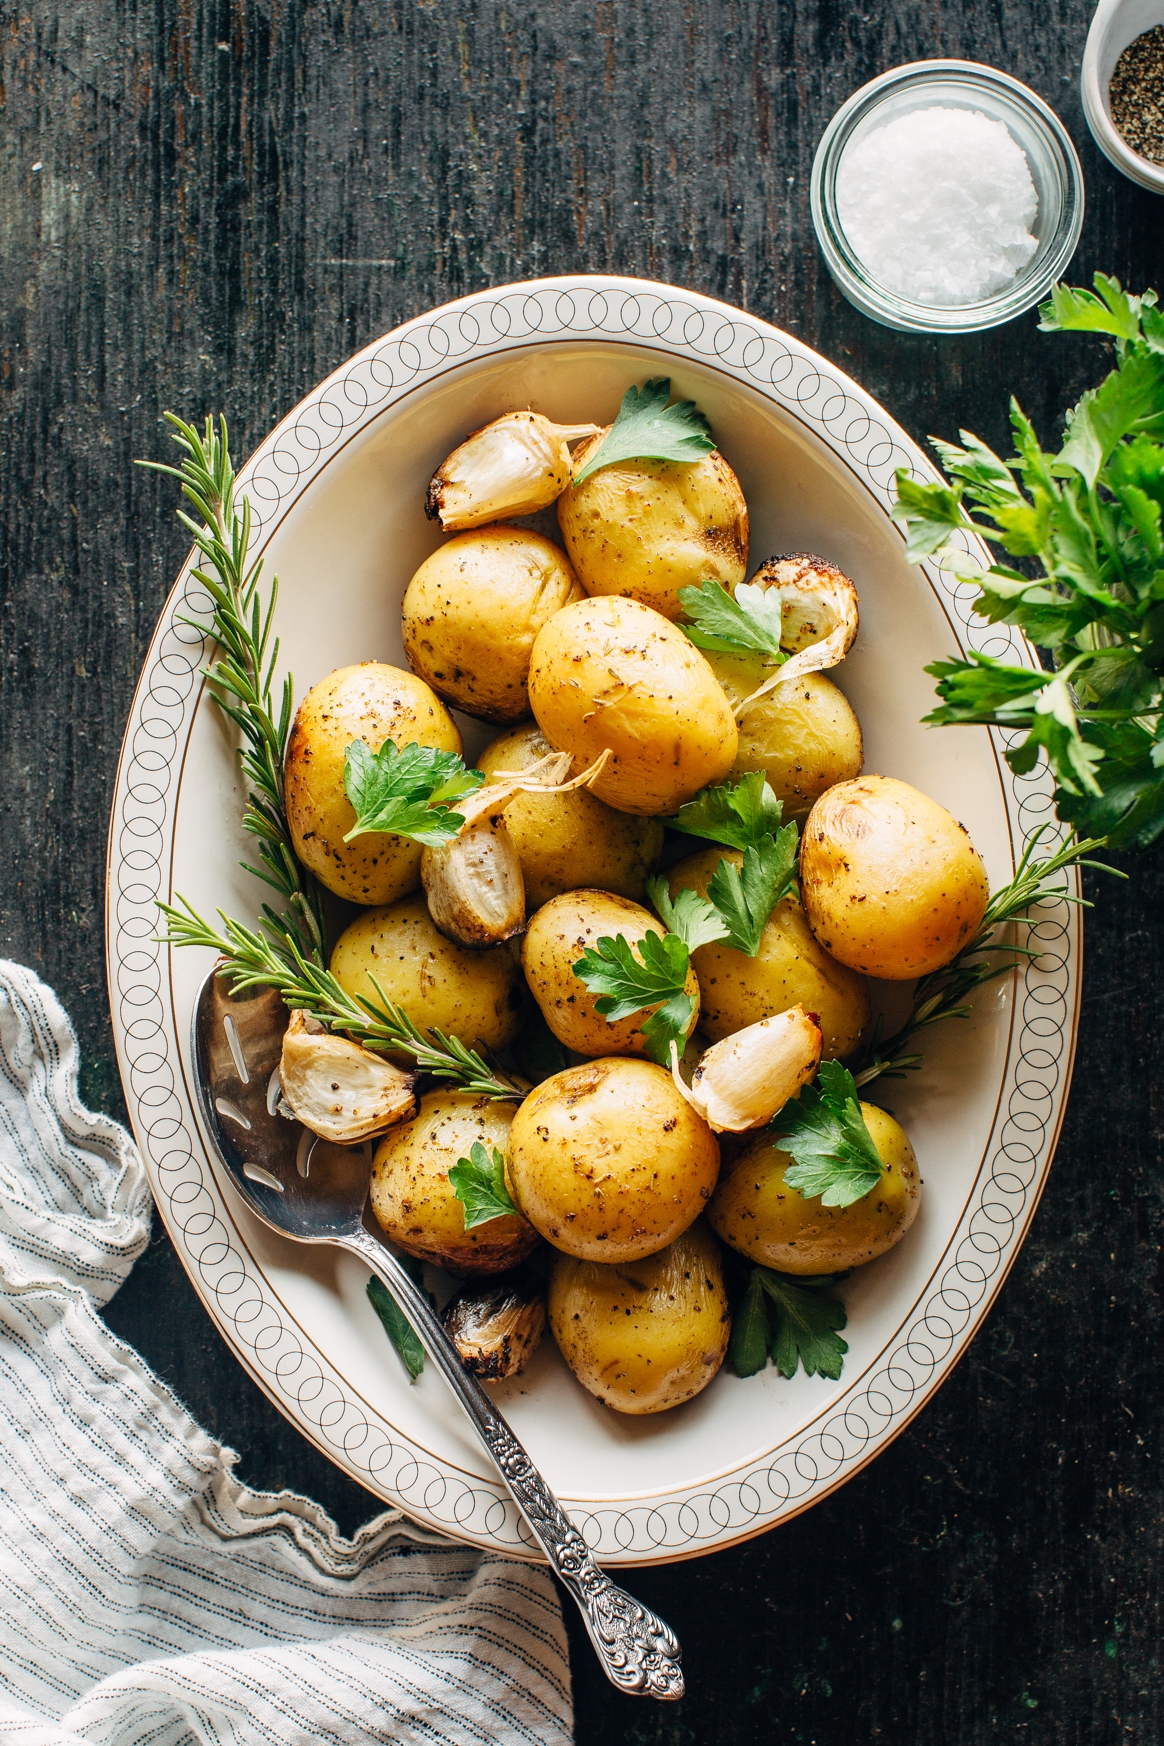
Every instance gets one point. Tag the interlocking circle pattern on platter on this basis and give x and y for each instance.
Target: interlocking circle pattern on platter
(298, 1377)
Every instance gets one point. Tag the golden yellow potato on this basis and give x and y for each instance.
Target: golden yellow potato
(804, 737)
(472, 611)
(610, 674)
(412, 1197)
(644, 1335)
(556, 938)
(474, 995)
(374, 703)
(892, 884)
(790, 968)
(755, 1211)
(565, 841)
(646, 529)
(609, 1162)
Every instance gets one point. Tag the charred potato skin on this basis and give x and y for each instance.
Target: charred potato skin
(568, 841)
(472, 611)
(609, 1162)
(755, 1211)
(556, 938)
(790, 968)
(891, 883)
(473, 994)
(647, 1335)
(371, 702)
(612, 675)
(646, 529)
(804, 737)
(414, 1202)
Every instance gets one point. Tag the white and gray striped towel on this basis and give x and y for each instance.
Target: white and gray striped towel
(147, 1595)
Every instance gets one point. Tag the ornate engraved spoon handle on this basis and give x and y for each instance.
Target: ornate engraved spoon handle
(639, 1652)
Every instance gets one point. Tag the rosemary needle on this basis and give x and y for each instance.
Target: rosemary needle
(287, 953)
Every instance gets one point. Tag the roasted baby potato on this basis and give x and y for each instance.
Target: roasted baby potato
(414, 1202)
(556, 938)
(892, 884)
(472, 611)
(611, 675)
(643, 1335)
(804, 736)
(755, 1211)
(374, 703)
(474, 995)
(609, 1162)
(791, 968)
(646, 529)
(565, 841)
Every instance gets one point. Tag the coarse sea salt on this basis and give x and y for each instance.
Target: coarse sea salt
(938, 204)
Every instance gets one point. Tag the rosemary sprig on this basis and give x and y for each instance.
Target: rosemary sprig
(276, 960)
(241, 676)
(945, 993)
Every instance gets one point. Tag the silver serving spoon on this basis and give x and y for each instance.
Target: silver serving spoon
(317, 1193)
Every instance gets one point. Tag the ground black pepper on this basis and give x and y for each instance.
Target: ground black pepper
(1137, 95)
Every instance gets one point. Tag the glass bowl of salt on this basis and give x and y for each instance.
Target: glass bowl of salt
(947, 197)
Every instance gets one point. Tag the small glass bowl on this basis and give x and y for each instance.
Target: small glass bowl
(1055, 171)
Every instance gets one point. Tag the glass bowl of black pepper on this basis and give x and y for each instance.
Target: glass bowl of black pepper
(1123, 87)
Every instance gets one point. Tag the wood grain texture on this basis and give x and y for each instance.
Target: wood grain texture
(210, 206)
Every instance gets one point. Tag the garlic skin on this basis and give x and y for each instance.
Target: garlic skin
(819, 619)
(342, 1092)
(496, 1325)
(474, 885)
(744, 1081)
(517, 464)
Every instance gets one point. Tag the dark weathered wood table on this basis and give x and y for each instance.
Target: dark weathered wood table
(209, 206)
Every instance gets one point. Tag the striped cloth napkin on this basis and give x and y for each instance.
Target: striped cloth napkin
(147, 1595)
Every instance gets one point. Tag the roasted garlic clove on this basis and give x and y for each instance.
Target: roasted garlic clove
(744, 1081)
(474, 885)
(819, 620)
(342, 1092)
(514, 466)
(496, 1324)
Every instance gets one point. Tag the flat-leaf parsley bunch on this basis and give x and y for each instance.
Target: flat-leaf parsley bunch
(1088, 517)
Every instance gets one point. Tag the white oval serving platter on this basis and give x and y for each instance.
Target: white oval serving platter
(337, 490)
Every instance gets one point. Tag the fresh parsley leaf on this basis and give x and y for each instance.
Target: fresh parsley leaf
(478, 1182)
(647, 429)
(929, 513)
(670, 1024)
(746, 897)
(807, 1324)
(696, 921)
(824, 1131)
(406, 791)
(1132, 393)
(629, 984)
(751, 1330)
(982, 688)
(738, 817)
(747, 622)
(397, 1327)
(1080, 311)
